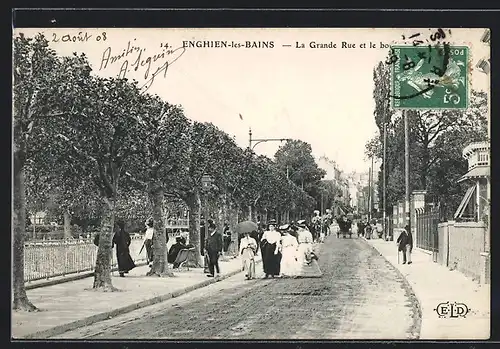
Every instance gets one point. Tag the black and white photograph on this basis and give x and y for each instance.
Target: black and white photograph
(251, 184)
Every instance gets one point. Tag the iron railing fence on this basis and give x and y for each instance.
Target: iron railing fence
(427, 228)
(52, 258)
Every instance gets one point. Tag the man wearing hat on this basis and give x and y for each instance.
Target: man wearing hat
(213, 247)
(405, 244)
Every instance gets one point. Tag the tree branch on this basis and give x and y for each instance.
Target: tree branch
(441, 128)
(102, 175)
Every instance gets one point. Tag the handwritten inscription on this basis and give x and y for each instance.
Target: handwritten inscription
(134, 58)
(79, 37)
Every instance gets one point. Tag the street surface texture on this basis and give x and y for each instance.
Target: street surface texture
(360, 296)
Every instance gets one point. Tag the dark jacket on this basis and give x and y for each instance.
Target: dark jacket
(214, 243)
(122, 241)
(174, 251)
(405, 238)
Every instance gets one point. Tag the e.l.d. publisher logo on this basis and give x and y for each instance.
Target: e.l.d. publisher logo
(452, 310)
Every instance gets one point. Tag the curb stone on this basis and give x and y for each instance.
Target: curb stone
(415, 329)
(58, 330)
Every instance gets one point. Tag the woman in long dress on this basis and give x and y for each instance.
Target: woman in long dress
(122, 241)
(289, 246)
(308, 265)
(305, 240)
(248, 249)
(271, 252)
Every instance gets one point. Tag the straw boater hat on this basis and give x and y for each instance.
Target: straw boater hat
(284, 228)
(301, 223)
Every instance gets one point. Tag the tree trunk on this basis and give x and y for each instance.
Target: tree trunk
(233, 221)
(21, 301)
(102, 275)
(249, 212)
(160, 264)
(221, 216)
(67, 225)
(225, 208)
(193, 202)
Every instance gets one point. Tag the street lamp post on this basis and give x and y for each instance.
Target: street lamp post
(407, 169)
(206, 182)
(262, 140)
(258, 141)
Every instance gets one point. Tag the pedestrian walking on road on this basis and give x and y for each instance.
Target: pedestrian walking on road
(213, 248)
(271, 251)
(305, 240)
(405, 244)
(122, 241)
(148, 241)
(368, 231)
(248, 249)
(289, 247)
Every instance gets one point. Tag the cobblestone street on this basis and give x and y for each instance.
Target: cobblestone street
(360, 296)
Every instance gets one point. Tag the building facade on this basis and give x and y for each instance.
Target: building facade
(475, 203)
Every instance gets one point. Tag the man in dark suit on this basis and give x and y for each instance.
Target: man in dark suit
(213, 247)
(405, 244)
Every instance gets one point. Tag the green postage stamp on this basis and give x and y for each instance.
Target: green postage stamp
(430, 77)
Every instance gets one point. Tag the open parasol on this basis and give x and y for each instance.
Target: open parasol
(246, 227)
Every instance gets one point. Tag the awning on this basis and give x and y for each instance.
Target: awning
(464, 202)
(477, 172)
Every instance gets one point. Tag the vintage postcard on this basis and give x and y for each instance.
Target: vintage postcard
(192, 184)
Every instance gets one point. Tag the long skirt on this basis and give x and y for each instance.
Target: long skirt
(304, 253)
(289, 263)
(271, 261)
(309, 267)
(125, 261)
(248, 258)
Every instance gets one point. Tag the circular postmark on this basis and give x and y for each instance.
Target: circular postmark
(428, 73)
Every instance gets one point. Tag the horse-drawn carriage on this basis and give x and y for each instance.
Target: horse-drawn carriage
(345, 226)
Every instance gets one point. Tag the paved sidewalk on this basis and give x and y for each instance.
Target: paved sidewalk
(74, 304)
(432, 284)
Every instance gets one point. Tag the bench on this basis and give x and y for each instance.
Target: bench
(183, 257)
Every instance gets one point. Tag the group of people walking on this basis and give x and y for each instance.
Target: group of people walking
(285, 252)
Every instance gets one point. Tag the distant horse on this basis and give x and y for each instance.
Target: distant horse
(345, 228)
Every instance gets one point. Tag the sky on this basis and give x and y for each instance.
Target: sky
(323, 96)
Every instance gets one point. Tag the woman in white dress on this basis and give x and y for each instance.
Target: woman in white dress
(307, 259)
(289, 246)
(305, 241)
(248, 248)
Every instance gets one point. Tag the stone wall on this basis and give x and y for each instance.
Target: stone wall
(462, 246)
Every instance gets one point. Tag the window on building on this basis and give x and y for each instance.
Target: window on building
(467, 209)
